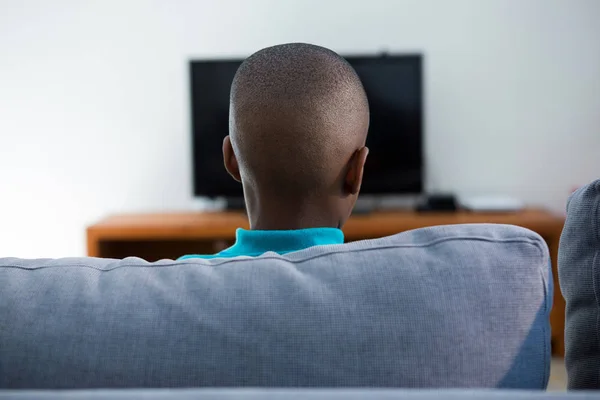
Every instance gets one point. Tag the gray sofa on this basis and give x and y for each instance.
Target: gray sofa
(444, 307)
(579, 274)
(293, 394)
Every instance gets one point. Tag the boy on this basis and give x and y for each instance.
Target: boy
(298, 122)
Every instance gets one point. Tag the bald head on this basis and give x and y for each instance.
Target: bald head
(298, 113)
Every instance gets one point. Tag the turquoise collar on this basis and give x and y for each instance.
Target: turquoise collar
(257, 242)
(254, 243)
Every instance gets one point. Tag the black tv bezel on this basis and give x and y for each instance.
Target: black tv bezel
(415, 57)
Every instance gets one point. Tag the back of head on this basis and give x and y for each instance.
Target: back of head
(298, 113)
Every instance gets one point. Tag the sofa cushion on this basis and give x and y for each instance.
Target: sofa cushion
(579, 274)
(452, 306)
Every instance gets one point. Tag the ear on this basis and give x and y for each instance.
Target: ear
(356, 167)
(231, 163)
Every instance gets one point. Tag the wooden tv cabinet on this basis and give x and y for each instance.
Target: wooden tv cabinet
(170, 235)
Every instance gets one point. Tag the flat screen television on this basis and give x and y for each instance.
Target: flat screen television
(394, 86)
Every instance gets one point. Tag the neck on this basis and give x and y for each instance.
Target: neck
(288, 223)
(287, 215)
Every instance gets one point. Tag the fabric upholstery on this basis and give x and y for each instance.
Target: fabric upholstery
(579, 275)
(451, 306)
(293, 394)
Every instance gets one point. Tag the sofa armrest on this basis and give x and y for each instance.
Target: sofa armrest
(579, 275)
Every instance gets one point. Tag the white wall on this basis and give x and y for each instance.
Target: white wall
(94, 101)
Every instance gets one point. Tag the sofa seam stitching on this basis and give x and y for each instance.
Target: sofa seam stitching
(236, 260)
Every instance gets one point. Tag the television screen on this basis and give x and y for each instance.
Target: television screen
(394, 88)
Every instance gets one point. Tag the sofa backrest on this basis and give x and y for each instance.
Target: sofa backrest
(452, 306)
(579, 275)
(293, 394)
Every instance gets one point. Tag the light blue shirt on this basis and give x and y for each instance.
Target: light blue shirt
(255, 242)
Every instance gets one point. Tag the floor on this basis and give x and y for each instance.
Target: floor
(558, 375)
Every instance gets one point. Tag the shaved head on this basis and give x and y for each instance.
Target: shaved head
(298, 116)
